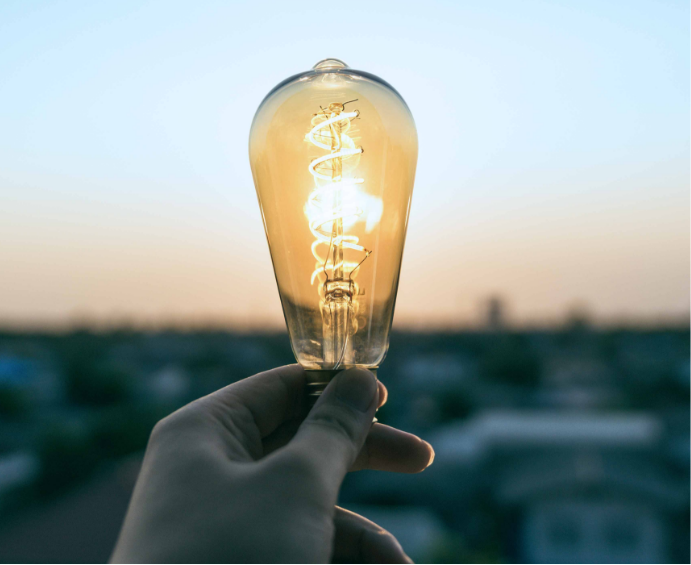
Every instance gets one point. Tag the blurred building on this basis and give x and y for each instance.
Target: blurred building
(17, 470)
(495, 315)
(31, 378)
(572, 488)
(564, 445)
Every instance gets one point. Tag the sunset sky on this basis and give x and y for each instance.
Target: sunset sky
(553, 168)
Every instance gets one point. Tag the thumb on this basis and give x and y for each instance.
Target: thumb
(334, 432)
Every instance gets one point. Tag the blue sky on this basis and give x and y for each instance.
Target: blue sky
(554, 153)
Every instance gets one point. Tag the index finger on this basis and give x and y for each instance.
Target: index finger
(271, 397)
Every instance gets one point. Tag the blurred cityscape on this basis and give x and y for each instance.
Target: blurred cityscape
(559, 445)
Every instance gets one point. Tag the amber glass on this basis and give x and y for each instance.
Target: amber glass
(333, 154)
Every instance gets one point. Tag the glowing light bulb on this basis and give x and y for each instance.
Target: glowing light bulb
(333, 154)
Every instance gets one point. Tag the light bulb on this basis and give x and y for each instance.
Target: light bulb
(333, 153)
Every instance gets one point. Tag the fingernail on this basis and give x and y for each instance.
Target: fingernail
(357, 388)
(432, 454)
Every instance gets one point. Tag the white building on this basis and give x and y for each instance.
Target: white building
(579, 487)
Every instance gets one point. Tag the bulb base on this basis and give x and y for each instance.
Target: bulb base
(318, 379)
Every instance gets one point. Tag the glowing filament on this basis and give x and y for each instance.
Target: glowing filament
(335, 204)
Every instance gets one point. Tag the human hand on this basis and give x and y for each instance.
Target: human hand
(247, 475)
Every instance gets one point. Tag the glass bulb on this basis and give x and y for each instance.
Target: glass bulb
(333, 153)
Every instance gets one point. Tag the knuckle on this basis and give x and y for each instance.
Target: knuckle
(163, 428)
(235, 417)
(382, 538)
(387, 538)
(338, 422)
(182, 419)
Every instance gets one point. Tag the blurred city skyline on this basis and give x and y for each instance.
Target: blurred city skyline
(553, 170)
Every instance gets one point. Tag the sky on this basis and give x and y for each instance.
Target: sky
(553, 168)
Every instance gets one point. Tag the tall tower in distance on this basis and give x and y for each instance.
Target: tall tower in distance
(495, 314)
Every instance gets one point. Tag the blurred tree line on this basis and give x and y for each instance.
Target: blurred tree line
(107, 413)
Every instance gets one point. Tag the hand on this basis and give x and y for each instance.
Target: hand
(246, 475)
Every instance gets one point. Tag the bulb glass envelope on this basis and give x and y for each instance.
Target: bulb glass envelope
(333, 153)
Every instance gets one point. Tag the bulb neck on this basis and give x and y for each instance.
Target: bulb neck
(318, 379)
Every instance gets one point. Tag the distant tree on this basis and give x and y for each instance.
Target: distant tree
(454, 405)
(97, 385)
(14, 403)
(510, 359)
(67, 456)
(125, 429)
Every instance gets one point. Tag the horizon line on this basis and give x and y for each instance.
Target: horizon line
(189, 324)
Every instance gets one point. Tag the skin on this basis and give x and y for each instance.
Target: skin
(247, 475)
